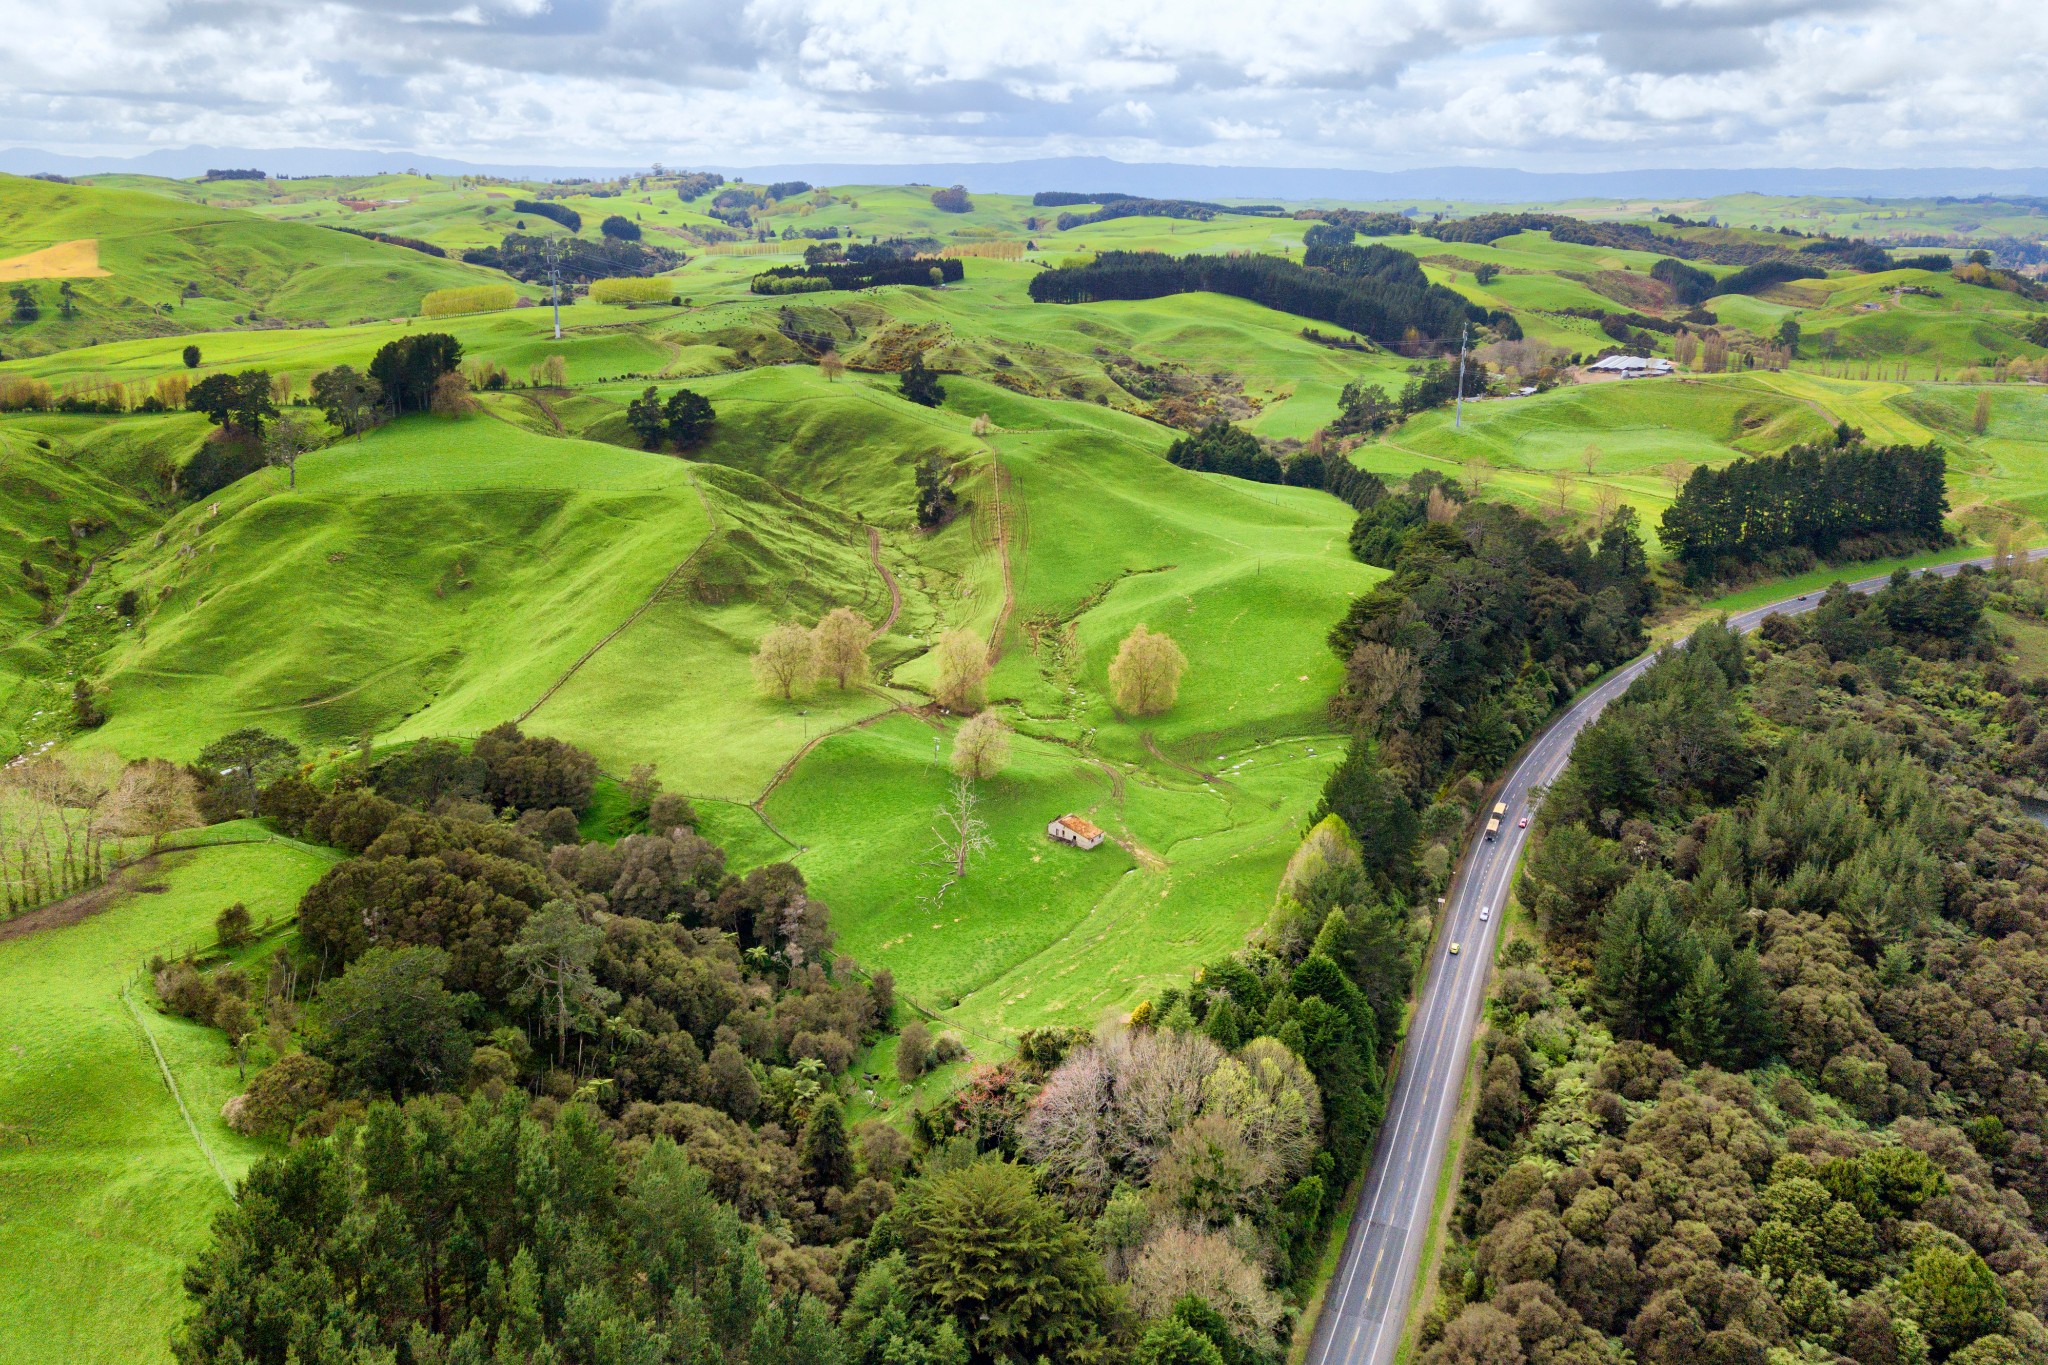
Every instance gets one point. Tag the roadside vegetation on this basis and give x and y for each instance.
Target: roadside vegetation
(1761, 1088)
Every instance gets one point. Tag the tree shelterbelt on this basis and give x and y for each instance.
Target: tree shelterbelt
(1818, 498)
(1375, 291)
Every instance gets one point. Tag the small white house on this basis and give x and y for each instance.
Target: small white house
(1072, 829)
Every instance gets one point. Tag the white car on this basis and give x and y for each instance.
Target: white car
(1485, 913)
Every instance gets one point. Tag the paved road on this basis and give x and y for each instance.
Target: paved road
(1368, 1299)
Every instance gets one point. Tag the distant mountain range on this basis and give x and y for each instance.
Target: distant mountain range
(1491, 184)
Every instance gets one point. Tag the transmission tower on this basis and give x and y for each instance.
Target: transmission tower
(553, 254)
(1457, 422)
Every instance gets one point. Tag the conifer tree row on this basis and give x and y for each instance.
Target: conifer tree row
(1813, 497)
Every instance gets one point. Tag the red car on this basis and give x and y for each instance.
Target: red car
(1523, 823)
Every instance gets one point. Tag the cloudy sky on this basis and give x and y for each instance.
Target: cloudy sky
(1371, 84)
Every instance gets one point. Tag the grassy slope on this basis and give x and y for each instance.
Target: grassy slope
(154, 248)
(434, 578)
(1102, 535)
(103, 1194)
(796, 471)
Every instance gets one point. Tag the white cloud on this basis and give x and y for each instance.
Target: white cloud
(1589, 84)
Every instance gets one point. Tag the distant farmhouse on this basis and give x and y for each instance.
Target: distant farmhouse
(1072, 829)
(1632, 366)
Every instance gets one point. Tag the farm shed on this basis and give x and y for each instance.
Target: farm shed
(1072, 829)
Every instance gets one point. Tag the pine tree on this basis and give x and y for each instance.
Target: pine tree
(1753, 1033)
(920, 385)
(1223, 1025)
(1373, 807)
(1642, 959)
(827, 1156)
(1700, 1018)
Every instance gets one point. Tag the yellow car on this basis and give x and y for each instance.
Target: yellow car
(1454, 950)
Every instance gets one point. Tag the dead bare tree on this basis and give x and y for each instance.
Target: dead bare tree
(959, 834)
(1477, 475)
(1605, 501)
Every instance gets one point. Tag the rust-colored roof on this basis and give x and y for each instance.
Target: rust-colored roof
(1080, 826)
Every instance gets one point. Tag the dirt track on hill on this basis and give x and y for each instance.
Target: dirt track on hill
(84, 904)
(999, 481)
(888, 580)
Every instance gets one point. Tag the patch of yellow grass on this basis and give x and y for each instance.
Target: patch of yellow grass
(77, 260)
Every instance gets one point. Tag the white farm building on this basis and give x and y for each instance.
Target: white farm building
(1072, 829)
(1632, 366)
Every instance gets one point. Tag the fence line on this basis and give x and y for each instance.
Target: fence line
(171, 1084)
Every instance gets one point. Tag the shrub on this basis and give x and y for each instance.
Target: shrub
(620, 229)
(913, 1051)
(231, 926)
(533, 772)
(283, 1094)
(670, 810)
(952, 200)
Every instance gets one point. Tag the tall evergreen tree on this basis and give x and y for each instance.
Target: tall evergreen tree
(1643, 958)
(1700, 1017)
(920, 385)
(826, 1154)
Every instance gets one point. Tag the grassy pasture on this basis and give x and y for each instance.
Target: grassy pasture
(433, 577)
(1101, 534)
(171, 267)
(104, 1194)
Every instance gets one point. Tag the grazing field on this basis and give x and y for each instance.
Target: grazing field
(168, 267)
(104, 1190)
(436, 575)
(1204, 802)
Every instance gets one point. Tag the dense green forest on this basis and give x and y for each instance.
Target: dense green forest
(1488, 623)
(1767, 1082)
